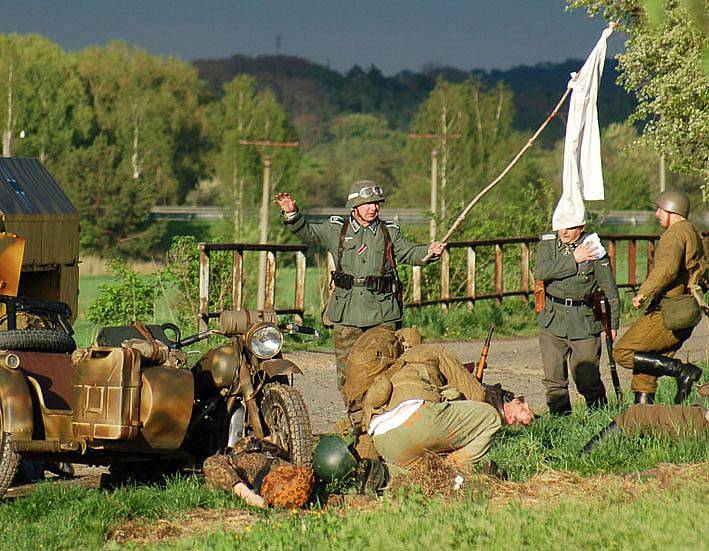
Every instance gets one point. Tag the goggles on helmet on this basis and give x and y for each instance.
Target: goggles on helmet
(366, 192)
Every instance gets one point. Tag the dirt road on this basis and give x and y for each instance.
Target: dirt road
(514, 362)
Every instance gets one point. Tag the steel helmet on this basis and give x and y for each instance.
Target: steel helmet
(673, 201)
(332, 459)
(363, 192)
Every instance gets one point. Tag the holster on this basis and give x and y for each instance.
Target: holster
(539, 296)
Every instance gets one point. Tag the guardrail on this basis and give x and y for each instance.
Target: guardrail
(237, 277)
(525, 247)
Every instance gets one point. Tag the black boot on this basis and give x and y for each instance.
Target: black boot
(600, 437)
(645, 398)
(686, 374)
(559, 405)
(597, 401)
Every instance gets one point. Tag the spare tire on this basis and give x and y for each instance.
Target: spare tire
(37, 340)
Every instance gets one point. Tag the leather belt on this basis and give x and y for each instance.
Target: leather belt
(568, 301)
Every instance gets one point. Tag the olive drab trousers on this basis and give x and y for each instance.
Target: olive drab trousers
(580, 356)
(648, 334)
(464, 428)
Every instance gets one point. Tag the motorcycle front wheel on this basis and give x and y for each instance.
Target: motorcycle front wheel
(287, 422)
(9, 460)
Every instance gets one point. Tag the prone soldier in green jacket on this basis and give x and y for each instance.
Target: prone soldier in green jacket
(569, 336)
(366, 250)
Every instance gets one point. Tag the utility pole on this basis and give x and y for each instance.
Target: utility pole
(662, 172)
(7, 135)
(441, 140)
(266, 158)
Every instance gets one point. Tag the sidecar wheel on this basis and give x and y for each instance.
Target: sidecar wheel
(37, 340)
(9, 460)
(286, 419)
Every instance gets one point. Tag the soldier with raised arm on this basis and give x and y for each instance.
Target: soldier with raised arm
(366, 249)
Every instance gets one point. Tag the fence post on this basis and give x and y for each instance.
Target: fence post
(416, 285)
(270, 289)
(237, 279)
(632, 278)
(470, 282)
(498, 273)
(203, 317)
(524, 261)
(299, 301)
(445, 278)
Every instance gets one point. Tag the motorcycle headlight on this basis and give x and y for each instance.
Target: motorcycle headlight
(265, 341)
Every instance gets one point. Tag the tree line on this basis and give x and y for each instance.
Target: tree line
(123, 130)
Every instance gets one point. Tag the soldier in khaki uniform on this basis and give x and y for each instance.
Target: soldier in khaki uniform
(667, 420)
(672, 313)
(428, 402)
(366, 251)
(569, 336)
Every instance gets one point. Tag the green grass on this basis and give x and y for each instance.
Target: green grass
(69, 517)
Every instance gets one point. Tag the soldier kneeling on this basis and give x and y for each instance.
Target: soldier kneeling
(257, 471)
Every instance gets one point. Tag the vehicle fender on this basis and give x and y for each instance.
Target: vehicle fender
(278, 366)
(16, 401)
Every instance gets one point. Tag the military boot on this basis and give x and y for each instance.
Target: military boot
(685, 374)
(599, 438)
(645, 398)
(596, 401)
(559, 405)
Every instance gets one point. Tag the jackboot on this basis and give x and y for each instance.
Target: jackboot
(596, 401)
(559, 405)
(602, 436)
(645, 398)
(686, 374)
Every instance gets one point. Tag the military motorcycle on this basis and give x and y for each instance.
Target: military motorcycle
(131, 403)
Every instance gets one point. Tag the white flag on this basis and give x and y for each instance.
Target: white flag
(583, 176)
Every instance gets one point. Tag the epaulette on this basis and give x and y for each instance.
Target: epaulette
(547, 236)
(391, 224)
(337, 220)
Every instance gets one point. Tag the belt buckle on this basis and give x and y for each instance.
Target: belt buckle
(568, 302)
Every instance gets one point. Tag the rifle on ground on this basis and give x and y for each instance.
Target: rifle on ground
(482, 362)
(599, 305)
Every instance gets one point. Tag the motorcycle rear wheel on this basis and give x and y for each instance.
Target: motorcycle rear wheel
(286, 419)
(9, 460)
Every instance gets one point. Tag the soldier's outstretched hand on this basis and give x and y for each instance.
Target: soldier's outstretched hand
(436, 248)
(286, 202)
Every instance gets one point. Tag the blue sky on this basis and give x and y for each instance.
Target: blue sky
(393, 35)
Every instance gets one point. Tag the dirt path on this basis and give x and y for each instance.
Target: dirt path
(514, 362)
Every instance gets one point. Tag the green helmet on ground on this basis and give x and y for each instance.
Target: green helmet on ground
(332, 459)
(673, 201)
(363, 192)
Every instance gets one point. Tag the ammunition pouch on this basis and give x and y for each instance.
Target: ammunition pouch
(375, 284)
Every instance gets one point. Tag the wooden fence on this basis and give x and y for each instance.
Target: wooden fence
(525, 245)
(237, 277)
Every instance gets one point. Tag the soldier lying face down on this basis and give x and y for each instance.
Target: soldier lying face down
(257, 471)
(666, 420)
(424, 400)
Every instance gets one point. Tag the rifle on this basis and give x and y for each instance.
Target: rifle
(482, 362)
(599, 305)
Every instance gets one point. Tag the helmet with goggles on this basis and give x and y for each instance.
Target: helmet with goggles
(363, 192)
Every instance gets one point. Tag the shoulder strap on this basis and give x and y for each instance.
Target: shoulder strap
(388, 250)
(341, 243)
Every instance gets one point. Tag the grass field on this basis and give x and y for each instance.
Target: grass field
(554, 498)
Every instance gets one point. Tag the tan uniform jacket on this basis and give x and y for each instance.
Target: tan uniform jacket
(677, 259)
(429, 372)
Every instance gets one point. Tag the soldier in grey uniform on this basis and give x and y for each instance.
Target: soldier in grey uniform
(366, 250)
(569, 336)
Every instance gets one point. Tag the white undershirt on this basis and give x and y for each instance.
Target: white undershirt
(381, 424)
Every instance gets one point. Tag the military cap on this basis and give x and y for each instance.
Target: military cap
(673, 201)
(363, 192)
